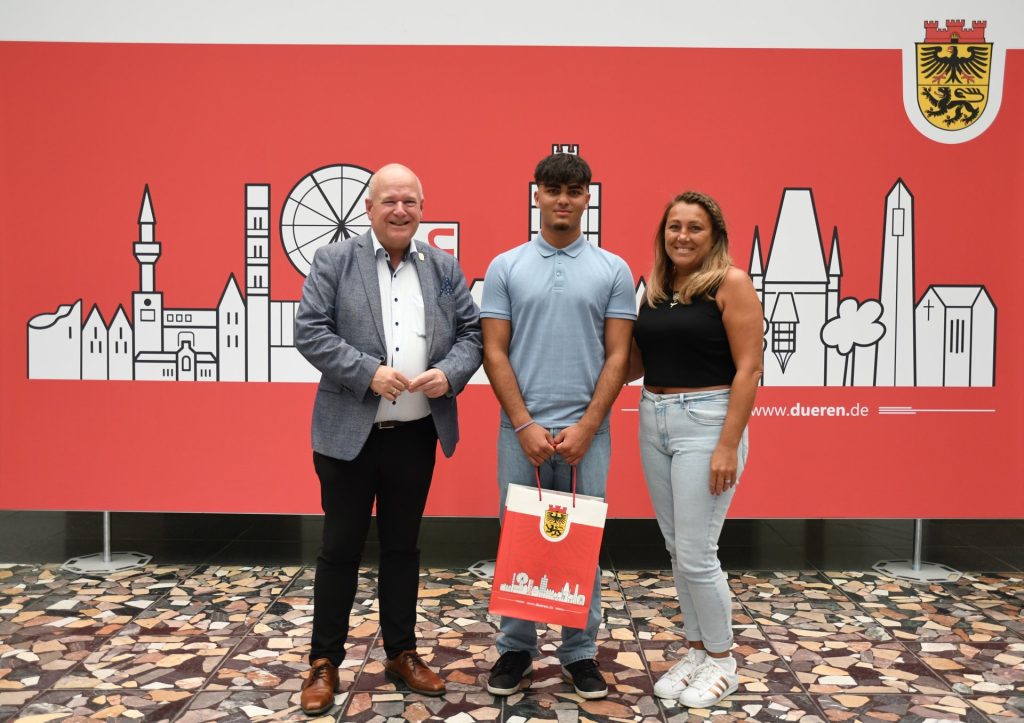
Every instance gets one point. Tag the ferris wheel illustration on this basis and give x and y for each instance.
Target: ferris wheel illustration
(325, 206)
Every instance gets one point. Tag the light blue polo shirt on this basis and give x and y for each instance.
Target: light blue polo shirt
(557, 301)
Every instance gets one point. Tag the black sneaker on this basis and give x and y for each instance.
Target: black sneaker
(585, 679)
(508, 674)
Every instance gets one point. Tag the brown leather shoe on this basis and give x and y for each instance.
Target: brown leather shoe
(409, 668)
(319, 687)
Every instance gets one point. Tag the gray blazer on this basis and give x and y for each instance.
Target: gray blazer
(339, 329)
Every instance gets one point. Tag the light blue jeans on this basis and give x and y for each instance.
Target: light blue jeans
(555, 474)
(678, 433)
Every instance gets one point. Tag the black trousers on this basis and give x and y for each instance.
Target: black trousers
(393, 469)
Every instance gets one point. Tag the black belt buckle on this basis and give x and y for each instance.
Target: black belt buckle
(388, 424)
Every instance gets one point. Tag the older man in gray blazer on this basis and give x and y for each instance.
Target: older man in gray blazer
(390, 324)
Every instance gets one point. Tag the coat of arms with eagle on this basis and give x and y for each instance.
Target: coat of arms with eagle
(953, 65)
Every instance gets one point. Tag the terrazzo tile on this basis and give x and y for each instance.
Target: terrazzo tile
(45, 579)
(281, 663)
(61, 603)
(252, 705)
(238, 640)
(11, 701)
(459, 707)
(780, 587)
(647, 584)
(871, 587)
(945, 620)
(152, 706)
(57, 615)
(454, 602)
(150, 662)
(217, 600)
(1000, 708)
(15, 592)
(975, 669)
(661, 618)
(291, 614)
(1002, 612)
(904, 708)
(32, 579)
(860, 666)
(815, 620)
(238, 580)
(1004, 585)
(748, 707)
(37, 663)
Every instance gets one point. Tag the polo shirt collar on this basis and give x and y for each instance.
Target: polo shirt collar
(545, 249)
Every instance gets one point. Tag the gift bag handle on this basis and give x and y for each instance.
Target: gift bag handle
(572, 474)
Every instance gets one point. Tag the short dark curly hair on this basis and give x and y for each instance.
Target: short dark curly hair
(560, 169)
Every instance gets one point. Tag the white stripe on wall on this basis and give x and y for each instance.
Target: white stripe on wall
(866, 24)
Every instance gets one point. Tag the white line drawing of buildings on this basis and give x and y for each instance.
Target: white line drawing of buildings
(241, 339)
(955, 325)
(814, 337)
(523, 584)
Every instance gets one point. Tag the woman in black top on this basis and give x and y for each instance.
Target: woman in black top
(698, 344)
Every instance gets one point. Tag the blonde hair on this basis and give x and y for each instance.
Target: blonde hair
(712, 272)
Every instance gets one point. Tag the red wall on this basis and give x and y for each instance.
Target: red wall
(84, 127)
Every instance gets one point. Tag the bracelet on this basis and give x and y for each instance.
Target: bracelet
(521, 427)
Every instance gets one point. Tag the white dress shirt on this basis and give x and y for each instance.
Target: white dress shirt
(405, 331)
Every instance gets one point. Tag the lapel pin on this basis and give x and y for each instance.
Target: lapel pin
(420, 254)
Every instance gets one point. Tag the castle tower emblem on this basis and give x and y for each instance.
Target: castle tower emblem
(953, 68)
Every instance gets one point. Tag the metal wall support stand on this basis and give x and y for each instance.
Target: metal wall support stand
(106, 561)
(484, 569)
(915, 570)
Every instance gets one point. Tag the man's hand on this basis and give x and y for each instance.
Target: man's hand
(388, 382)
(573, 442)
(537, 444)
(432, 382)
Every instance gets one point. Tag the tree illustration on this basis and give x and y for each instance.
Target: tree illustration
(855, 325)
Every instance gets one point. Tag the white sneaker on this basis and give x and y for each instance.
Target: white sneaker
(675, 681)
(708, 686)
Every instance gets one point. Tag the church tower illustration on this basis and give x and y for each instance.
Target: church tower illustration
(147, 302)
(834, 360)
(257, 281)
(896, 364)
(796, 290)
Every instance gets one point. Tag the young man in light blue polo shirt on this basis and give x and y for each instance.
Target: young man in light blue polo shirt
(557, 319)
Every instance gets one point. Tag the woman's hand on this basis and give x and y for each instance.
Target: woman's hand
(723, 469)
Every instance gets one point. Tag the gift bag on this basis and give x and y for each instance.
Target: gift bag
(547, 555)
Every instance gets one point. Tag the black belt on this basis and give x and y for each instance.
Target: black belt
(394, 423)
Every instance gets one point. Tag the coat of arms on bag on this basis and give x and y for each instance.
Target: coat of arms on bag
(953, 65)
(555, 522)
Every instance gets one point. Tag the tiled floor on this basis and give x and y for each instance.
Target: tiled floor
(217, 628)
(202, 642)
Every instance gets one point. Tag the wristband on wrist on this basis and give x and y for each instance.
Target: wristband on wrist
(521, 427)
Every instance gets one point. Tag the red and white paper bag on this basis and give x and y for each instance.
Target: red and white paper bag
(547, 555)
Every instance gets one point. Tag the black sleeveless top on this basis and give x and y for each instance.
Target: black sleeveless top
(684, 345)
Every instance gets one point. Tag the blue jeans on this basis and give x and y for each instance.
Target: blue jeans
(591, 479)
(678, 433)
